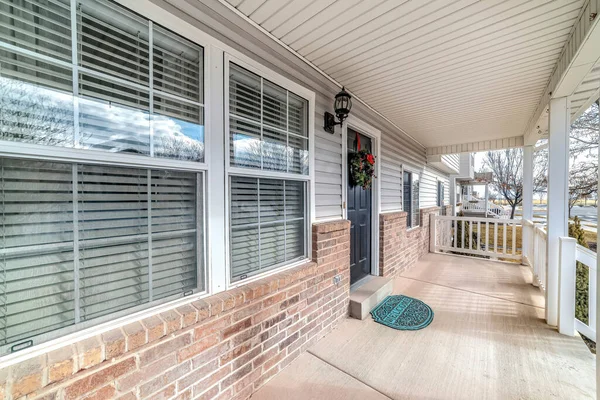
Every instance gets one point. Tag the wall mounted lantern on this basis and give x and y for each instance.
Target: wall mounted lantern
(341, 106)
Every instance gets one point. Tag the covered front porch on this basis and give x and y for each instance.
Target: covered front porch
(489, 339)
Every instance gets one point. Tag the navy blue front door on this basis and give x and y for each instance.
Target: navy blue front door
(359, 214)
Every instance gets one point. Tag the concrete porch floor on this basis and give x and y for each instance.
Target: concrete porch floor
(488, 340)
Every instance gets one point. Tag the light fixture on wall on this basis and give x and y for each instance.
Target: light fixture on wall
(341, 106)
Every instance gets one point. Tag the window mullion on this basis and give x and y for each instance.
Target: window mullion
(262, 96)
(200, 224)
(77, 294)
(3, 292)
(75, 70)
(151, 83)
(287, 132)
(258, 204)
(149, 206)
(284, 225)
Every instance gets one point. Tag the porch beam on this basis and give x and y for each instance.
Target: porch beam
(527, 192)
(558, 192)
(474, 147)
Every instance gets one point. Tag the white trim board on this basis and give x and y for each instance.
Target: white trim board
(474, 147)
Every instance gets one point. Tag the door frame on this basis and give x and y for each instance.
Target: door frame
(375, 136)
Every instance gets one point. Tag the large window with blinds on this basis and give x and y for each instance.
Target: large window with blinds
(410, 195)
(268, 174)
(84, 241)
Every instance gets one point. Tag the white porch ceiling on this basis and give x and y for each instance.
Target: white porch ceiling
(587, 92)
(445, 71)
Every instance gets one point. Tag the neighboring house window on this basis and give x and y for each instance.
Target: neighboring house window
(440, 194)
(268, 175)
(87, 241)
(411, 198)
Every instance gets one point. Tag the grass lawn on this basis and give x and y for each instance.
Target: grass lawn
(592, 239)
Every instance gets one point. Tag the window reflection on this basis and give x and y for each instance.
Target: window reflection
(34, 114)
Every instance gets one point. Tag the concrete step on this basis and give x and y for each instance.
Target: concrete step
(364, 298)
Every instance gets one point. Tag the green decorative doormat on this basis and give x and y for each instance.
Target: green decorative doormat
(403, 312)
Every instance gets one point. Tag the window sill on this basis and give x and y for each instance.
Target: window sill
(266, 274)
(95, 330)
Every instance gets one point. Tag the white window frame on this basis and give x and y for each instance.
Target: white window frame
(77, 155)
(440, 194)
(412, 171)
(306, 94)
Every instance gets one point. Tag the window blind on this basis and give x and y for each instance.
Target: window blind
(407, 197)
(113, 40)
(137, 235)
(36, 251)
(268, 124)
(42, 26)
(410, 198)
(416, 221)
(267, 224)
(177, 232)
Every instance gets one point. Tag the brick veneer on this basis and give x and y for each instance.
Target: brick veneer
(400, 248)
(225, 346)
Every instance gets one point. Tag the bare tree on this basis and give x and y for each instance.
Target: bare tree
(30, 114)
(585, 132)
(506, 166)
(507, 174)
(583, 181)
(583, 146)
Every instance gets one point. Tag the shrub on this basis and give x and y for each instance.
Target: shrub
(582, 274)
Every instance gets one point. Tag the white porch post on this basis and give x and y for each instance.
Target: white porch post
(487, 193)
(453, 194)
(558, 191)
(527, 195)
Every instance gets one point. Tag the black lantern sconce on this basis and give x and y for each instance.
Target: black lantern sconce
(342, 106)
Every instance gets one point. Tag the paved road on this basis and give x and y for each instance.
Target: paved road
(589, 214)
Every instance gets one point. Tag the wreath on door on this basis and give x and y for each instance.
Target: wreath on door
(362, 167)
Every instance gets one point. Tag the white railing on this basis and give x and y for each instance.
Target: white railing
(493, 238)
(534, 252)
(497, 239)
(475, 205)
(572, 253)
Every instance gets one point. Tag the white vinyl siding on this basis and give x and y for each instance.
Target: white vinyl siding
(429, 187)
(390, 178)
(268, 136)
(452, 161)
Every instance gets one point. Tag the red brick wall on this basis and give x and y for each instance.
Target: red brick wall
(225, 346)
(400, 248)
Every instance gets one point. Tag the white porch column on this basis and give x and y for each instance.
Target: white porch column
(527, 195)
(487, 193)
(558, 192)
